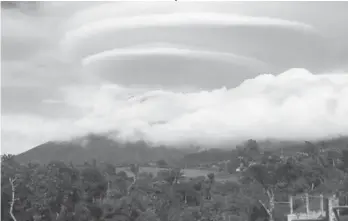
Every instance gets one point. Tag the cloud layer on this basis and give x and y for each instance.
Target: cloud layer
(293, 105)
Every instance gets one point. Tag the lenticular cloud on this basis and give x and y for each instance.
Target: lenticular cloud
(293, 105)
(111, 35)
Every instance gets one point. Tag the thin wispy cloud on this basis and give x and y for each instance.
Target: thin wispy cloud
(122, 54)
(179, 19)
(173, 73)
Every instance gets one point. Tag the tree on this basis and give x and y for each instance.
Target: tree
(57, 191)
(7, 157)
(171, 176)
(315, 152)
(162, 163)
(345, 159)
(208, 183)
(250, 150)
(271, 176)
(13, 187)
(232, 165)
(135, 170)
(333, 156)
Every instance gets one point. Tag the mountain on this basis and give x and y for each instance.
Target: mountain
(101, 148)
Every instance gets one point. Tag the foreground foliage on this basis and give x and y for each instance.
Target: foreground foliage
(58, 191)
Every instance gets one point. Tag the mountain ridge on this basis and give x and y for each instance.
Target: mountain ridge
(103, 148)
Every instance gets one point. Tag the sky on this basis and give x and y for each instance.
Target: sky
(173, 72)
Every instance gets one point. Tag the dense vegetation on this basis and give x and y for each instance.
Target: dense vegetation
(97, 191)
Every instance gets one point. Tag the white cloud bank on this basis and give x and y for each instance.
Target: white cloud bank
(293, 105)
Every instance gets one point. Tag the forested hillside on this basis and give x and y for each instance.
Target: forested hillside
(288, 148)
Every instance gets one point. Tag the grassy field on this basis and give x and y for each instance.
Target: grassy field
(219, 176)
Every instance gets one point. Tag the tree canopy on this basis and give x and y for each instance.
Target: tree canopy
(96, 191)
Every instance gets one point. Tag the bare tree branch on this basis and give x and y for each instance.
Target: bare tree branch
(12, 182)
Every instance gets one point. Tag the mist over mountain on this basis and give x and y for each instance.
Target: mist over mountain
(103, 148)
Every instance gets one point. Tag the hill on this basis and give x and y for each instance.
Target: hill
(101, 148)
(287, 148)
